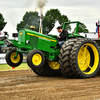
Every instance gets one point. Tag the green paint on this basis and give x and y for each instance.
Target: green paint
(1, 42)
(16, 55)
(77, 25)
(47, 44)
(29, 40)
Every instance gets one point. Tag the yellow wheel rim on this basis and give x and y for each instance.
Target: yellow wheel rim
(88, 58)
(15, 60)
(53, 65)
(36, 59)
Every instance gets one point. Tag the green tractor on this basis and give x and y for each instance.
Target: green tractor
(77, 58)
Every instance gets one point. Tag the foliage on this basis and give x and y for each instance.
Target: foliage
(2, 22)
(82, 28)
(30, 18)
(51, 17)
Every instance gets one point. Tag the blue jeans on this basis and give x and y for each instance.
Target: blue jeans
(61, 43)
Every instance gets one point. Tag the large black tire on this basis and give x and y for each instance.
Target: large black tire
(35, 68)
(11, 60)
(65, 63)
(83, 60)
(48, 70)
(43, 69)
(92, 58)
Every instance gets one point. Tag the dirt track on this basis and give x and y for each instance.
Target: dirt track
(25, 85)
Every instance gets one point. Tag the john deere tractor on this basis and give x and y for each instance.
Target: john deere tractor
(78, 57)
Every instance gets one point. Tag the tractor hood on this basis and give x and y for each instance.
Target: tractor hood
(33, 40)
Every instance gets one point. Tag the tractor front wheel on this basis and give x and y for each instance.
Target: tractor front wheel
(36, 61)
(12, 60)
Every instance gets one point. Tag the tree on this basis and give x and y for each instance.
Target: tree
(2, 23)
(30, 18)
(82, 28)
(51, 17)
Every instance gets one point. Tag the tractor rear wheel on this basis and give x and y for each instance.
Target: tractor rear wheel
(11, 60)
(40, 66)
(84, 58)
(65, 63)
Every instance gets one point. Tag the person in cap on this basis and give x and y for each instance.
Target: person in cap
(62, 36)
(32, 28)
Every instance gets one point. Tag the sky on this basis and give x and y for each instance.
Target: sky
(86, 11)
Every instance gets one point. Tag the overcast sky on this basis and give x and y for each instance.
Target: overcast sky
(86, 11)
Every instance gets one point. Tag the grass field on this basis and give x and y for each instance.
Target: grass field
(6, 67)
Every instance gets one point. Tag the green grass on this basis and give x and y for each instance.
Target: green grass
(6, 67)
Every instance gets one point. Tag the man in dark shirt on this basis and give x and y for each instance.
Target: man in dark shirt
(62, 36)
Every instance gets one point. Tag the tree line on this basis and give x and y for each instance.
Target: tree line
(49, 19)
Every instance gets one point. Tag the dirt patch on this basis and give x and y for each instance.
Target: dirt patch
(26, 85)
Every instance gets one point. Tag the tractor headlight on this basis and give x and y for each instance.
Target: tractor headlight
(27, 42)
